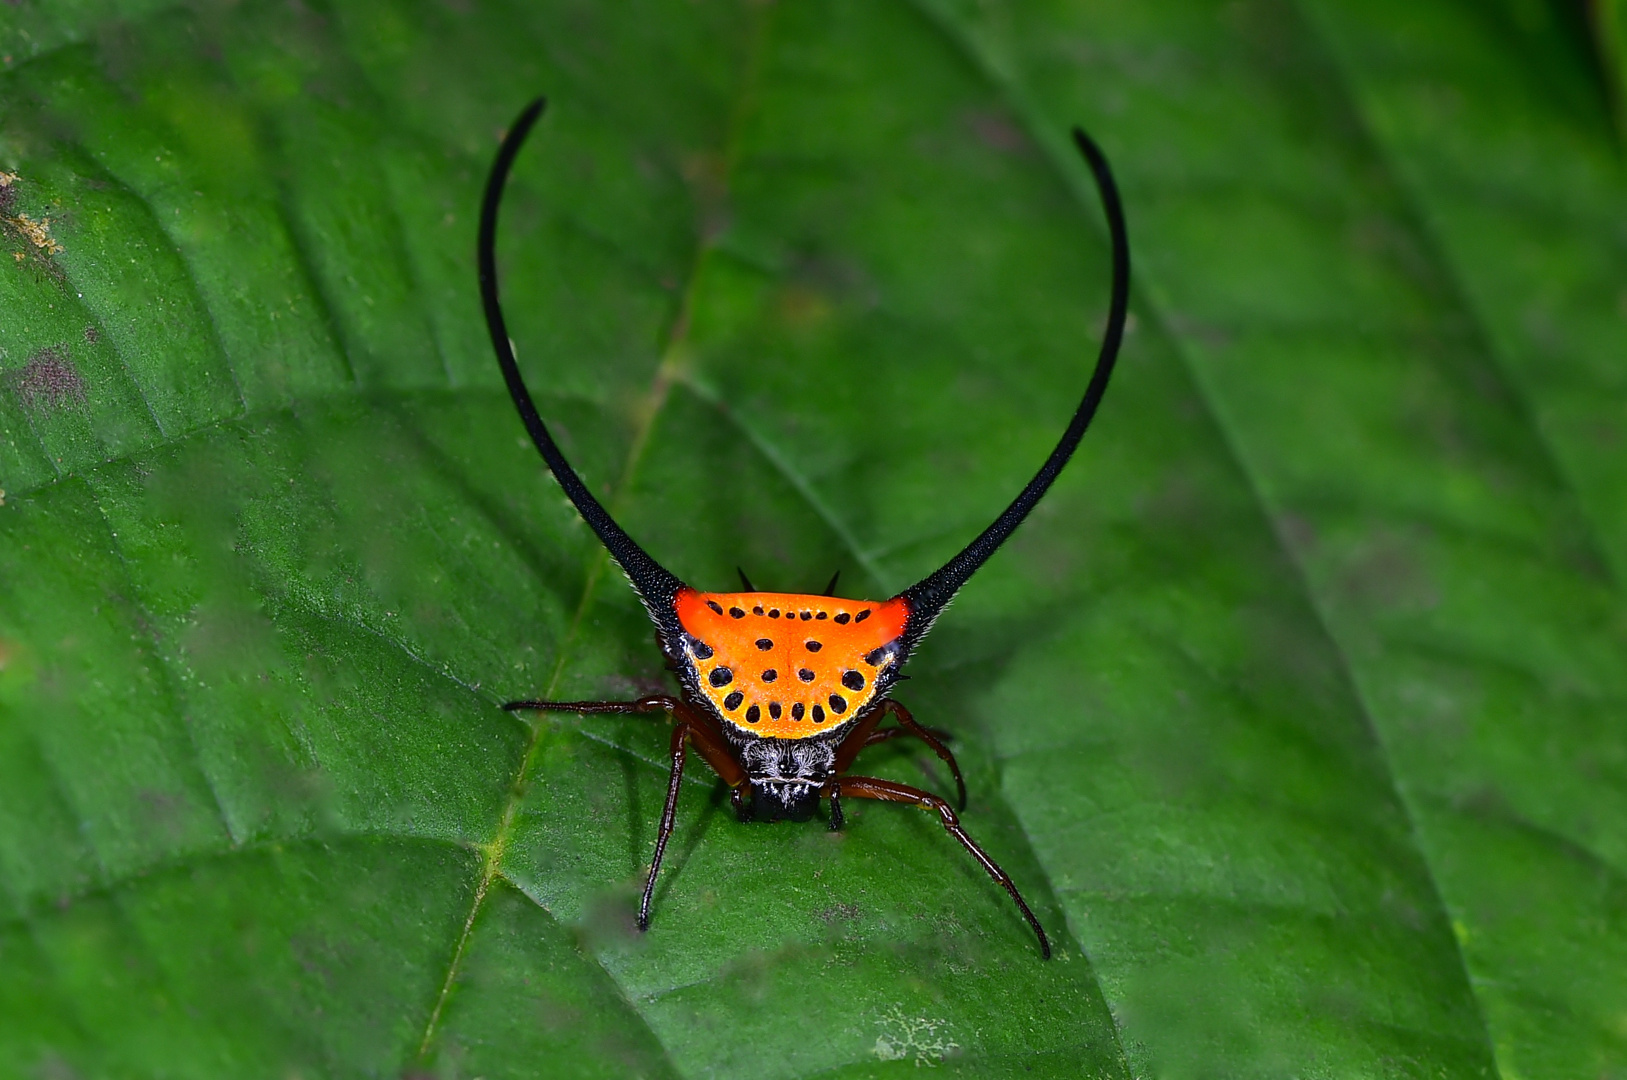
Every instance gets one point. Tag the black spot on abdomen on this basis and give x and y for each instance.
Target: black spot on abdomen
(720, 677)
(853, 680)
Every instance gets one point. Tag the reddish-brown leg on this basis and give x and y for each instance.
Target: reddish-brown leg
(716, 753)
(652, 703)
(866, 735)
(868, 787)
(692, 728)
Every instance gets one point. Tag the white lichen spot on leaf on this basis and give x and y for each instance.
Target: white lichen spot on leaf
(918, 1037)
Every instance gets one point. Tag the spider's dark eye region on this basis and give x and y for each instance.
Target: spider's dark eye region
(732, 651)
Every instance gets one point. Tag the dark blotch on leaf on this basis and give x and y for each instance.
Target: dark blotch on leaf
(49, 380)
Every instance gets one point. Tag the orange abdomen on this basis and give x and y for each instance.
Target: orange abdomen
(788, 665)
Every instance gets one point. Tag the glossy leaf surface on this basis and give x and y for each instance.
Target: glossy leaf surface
(1295, 710)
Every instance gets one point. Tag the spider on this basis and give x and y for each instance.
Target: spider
(780, 692)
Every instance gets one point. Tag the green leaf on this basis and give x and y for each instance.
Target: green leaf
(1295, 710)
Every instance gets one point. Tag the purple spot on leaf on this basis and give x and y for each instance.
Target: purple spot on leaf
(49, 380)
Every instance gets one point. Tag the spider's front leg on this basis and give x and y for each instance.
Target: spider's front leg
(651, 703)
(691, 728)
(866, 735)
(715, 751)
(868, 787)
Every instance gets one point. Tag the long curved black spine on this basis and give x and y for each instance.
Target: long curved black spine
(928, 597)
(655, 584)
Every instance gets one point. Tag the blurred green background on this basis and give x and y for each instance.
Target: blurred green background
(1297, 710)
